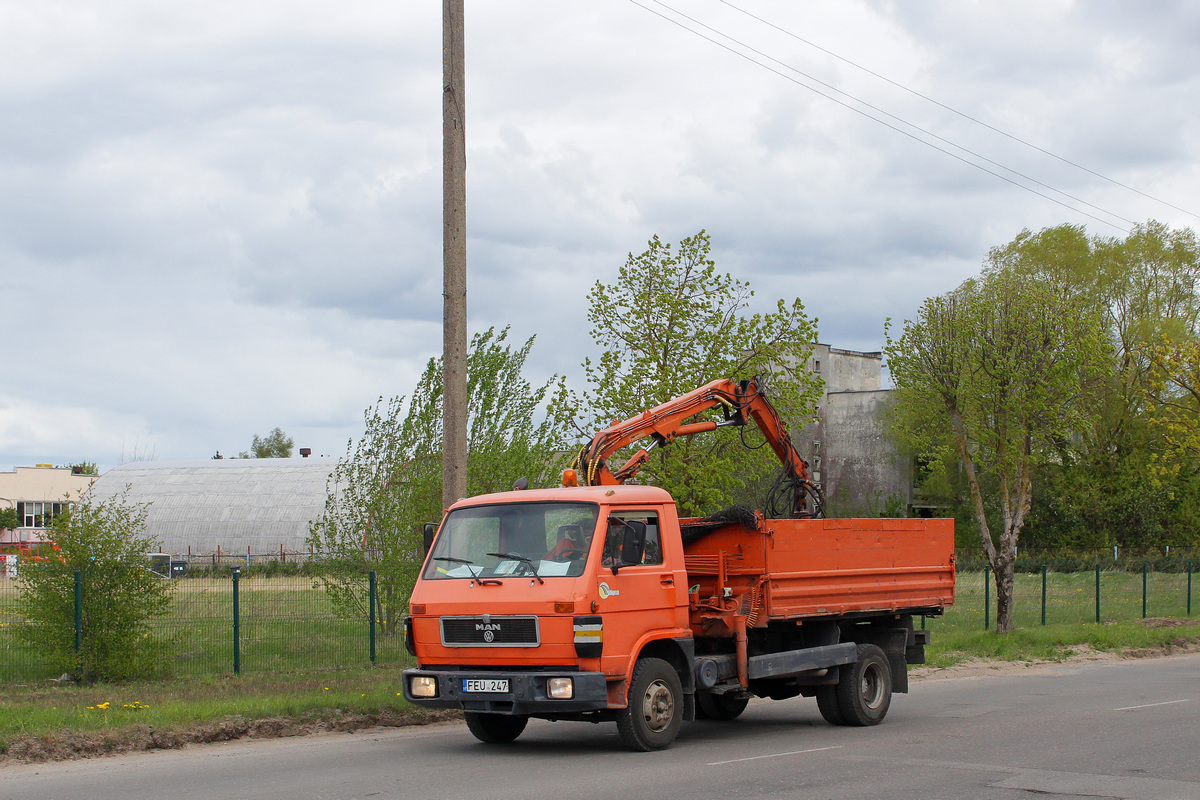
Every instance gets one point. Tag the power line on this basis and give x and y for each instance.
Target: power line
(928, 133)
(953, 110)
(910, 135)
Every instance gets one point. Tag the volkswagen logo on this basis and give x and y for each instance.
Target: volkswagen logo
(489, 636)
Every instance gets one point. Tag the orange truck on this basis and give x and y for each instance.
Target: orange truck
(596, 602)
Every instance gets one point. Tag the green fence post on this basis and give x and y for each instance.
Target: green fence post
(1145, 572)
(1043, 594)
(1097, 594)
(237, 621)
(371, 616)
(987, 598)
(1189, 599)
(78, 612)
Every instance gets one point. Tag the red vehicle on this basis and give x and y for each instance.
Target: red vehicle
(598, 603)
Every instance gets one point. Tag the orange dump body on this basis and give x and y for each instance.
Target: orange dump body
(790, 569)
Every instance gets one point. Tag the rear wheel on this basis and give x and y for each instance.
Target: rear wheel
(495, 728)
(652, 718)
(864, 689)
(721, 706)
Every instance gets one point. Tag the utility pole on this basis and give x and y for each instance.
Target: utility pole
(454, 255)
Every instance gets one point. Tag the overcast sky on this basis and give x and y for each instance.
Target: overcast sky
(218, 218)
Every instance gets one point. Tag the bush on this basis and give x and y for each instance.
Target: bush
(105, 543)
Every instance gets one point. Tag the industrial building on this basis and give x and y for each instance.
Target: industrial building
(855, 465)
(231, 507)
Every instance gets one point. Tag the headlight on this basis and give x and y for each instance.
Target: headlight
(560, 688)
(423, 686)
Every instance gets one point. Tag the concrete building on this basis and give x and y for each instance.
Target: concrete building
(857, 468)
(38, 494)
(235, 507)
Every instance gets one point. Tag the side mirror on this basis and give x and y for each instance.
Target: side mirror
(427, 534)
(633, 544)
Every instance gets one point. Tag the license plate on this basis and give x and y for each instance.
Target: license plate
(489, 685)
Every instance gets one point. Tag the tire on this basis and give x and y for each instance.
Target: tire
(652, 718)
(827, 702)
(720, 706)
(495, 728)
(864, 689)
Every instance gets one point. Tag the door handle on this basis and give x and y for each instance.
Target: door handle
(666, 580)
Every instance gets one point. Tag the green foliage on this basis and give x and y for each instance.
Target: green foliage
(390, 481)
(9, 518)
(277, 444)
(1001, 371)
(105, 542)
(670, 324)
(82, 468)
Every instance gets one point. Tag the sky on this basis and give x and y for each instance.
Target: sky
(220, 218)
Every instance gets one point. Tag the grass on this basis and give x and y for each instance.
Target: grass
(117, 713)
(288, 624)
(285, 623)
(960, 636)
(1059, 641)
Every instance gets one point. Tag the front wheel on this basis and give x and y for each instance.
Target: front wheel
(652, 718)
(864, 689)
(495, 728)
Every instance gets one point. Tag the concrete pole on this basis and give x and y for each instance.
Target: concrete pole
(454, 255)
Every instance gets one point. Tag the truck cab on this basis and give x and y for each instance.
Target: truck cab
(541, 603)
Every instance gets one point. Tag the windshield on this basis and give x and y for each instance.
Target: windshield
(513, 540)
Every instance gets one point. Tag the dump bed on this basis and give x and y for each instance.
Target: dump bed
(785, 569)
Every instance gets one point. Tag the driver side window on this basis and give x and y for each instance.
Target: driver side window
(617, 526)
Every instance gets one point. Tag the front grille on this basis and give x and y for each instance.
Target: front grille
(489, 631)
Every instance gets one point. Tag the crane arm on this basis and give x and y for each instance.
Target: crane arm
(738, 401)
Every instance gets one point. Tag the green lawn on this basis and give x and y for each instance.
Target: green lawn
(301, 661)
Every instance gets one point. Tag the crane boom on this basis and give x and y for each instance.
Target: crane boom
(738, 401)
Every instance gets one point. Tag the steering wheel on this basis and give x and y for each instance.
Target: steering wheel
(570, 554)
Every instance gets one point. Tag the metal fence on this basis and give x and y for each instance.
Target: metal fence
(1042, 596)
(226, 624)
(261, 622)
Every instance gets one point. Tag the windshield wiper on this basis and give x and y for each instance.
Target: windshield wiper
(468, 565)
(523, 560)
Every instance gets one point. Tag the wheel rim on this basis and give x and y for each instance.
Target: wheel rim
(658, 706)
(872, 686)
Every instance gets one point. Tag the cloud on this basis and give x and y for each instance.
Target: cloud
(218, 219)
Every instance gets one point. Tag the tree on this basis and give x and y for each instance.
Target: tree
(276, 445)
(671, 323)
(9, 518)
(105, 543)
(1003, 370)
(389, 482)
(1119, 483)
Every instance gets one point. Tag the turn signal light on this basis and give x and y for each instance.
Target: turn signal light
(564, 608)
(570, 478)
(416, 609)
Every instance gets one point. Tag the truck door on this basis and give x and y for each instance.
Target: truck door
(639, 597)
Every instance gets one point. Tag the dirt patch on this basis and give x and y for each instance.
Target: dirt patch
(1077, 654)
(974, 667)
(67, 745)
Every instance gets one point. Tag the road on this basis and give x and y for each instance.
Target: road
(1126, 729)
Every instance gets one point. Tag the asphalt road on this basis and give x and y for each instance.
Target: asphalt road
(1128, 729)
